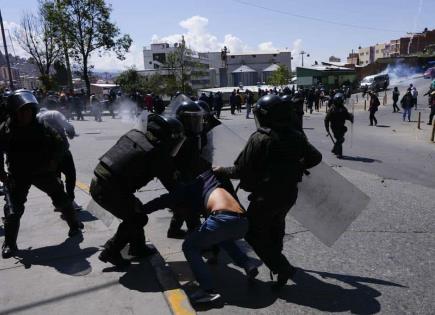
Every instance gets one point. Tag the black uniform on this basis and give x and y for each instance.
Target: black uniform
(270, 166)
(129, 165)
(336, 117)
(33, 154)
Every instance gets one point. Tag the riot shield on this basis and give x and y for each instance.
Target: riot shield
(101, 214)
(327, 202)
(171, 109)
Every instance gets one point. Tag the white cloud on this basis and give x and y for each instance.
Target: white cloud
(108, 62)
(198, 37)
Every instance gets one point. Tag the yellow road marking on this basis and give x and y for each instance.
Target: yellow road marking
(178, 302)
(176, 298)
(82, 186)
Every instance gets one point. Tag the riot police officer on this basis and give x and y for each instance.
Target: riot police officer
(270, 167)
(337, 117)
(296, 105)
(188, 161)
(33, 153)
(130, 164)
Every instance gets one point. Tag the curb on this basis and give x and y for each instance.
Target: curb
(176, 298)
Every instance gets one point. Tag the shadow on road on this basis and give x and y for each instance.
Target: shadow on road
(140, 277)
(327, 297)
(360, 159)
(322, 292)
(67, 258)
(383, 126)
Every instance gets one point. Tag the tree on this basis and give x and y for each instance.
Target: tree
(181, 67)
(37, 36)
(131, 81)
(61, 73)
(280, 77)
(90, 31)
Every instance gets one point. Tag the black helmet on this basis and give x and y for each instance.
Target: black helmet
(209, 120)
(167, 133)
(338, 99)
(272, 112)
(20, 98)
(192, 117)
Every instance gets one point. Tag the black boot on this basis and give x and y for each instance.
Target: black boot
(138, 247)
(9, 247)
(75, 226)
(283, 277)
(114, 258)
(112, 253)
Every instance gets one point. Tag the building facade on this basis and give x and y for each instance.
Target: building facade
(246, 69)
(156, 62)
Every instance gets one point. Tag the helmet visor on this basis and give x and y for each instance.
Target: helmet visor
(193, 122)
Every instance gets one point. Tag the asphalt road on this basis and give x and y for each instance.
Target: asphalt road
(383, 264)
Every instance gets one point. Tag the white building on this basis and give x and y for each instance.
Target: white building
(247, 68)
(156, 57)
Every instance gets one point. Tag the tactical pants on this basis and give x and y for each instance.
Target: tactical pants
(339, 140)
(266, 216)
(68, 168)
(124, 206)
(18, 190)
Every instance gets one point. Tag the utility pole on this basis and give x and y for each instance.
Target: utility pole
(302, 53)
(11, 82)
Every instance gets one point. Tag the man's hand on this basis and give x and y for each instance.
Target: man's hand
(217, 169)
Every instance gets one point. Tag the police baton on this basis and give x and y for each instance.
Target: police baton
(332, 139)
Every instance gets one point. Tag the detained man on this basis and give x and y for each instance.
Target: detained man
(225, 223)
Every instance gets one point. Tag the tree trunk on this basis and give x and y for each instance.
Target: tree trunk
(86, 76)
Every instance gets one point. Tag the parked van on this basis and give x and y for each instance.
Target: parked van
(375, 82)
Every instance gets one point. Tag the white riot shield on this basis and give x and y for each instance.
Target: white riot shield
(327, 202)
(101, 214)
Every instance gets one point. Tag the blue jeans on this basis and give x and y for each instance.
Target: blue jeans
(407, 111)
(219, 229)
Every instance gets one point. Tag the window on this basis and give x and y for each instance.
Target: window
(232, 57)
(274, 55)
(254, 56)
(150, 62)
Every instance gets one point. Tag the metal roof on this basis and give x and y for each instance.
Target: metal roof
(244, 68)
(271, 68)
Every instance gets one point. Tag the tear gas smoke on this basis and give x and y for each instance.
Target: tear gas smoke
(401, 72)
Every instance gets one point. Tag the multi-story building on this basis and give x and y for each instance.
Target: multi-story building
(382, 50)
(334, 59)
(366, 55)
(156, 61)
(247, 68)
(4, 74)
(353, 58)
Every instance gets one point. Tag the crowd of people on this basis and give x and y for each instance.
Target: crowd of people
(170, 149)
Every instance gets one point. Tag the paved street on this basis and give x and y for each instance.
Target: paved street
(383, 264)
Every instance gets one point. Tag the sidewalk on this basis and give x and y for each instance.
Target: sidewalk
(58, 275)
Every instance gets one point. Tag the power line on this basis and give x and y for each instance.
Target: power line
(317, 19)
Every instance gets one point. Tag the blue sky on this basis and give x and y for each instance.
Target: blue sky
(332, 27)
